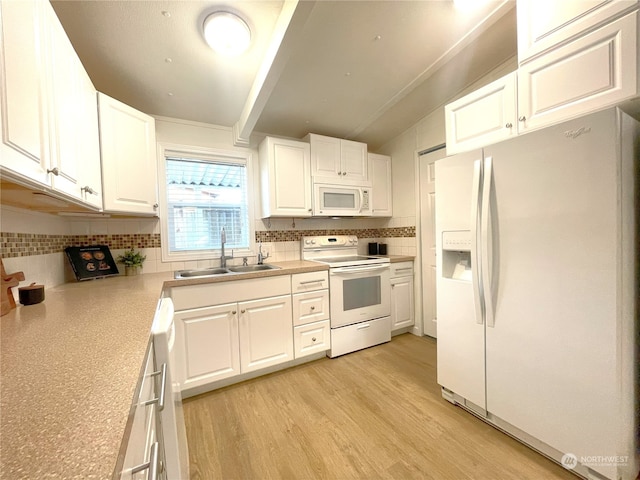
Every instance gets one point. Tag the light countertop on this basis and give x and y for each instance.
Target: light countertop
(69, 368)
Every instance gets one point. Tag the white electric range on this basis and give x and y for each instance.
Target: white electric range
(359, 292)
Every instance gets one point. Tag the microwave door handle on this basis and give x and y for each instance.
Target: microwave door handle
(361, 200)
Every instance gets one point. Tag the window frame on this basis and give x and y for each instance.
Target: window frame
(202, 153)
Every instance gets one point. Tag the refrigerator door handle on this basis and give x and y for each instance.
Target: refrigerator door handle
(487, 241)
(475, 264)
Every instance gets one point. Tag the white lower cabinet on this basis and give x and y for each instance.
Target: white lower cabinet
(266, 336)
(311, 313)
(238, 334)
(311, 338)
(144, 444)
(209, 344)
(402, 308)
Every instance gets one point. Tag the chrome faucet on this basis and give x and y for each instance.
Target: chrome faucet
(223, 257)
(261, 257)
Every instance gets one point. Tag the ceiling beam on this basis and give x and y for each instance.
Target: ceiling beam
(289, 25)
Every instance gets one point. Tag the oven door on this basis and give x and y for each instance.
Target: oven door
(359, 293)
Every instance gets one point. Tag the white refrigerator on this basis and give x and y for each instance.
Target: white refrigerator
(537, 289)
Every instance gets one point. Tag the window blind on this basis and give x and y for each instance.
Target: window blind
(202, 197)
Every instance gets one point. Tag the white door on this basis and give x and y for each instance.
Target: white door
(288, 166)
(551, 355)
(428, 239)
(461, 333)
(266, 332)
(67, 112)
(207, 345)
(545, 23)
(401, 302)
(23, 115)
(129, 163)
(353, 158)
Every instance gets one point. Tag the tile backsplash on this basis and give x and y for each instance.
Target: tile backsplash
(34, 242)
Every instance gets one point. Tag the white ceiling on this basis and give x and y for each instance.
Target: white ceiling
(331, 74)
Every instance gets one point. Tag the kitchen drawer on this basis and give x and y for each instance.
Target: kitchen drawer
(306, 282)
(360, 335)
(311, 338)
(401, 269)
(310, 307)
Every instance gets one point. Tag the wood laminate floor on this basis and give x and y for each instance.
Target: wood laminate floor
(376, 413)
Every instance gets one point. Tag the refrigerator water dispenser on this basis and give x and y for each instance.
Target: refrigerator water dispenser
(456, 255)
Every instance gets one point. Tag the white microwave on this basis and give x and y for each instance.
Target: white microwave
(341, 201)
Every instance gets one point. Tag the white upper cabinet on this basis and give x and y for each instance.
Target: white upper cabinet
(89, 143)
(337, 161)
(543, 24)
(75, 146)
(23, 91)
(583, 73)
(50, 129)
(129, 164)
(380, 175)
(285, 177)
(485, 116)
(597, 70)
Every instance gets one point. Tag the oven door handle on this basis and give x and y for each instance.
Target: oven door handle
(358, 269)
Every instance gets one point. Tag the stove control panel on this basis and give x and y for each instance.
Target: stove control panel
(329, 241)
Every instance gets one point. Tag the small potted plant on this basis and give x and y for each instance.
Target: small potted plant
(132, 261)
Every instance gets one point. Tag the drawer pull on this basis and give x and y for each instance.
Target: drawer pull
(312, 308)
(151, 465)
(403, 269)
(313, 339)
(362, 327)
(163, 388)
(312, 281)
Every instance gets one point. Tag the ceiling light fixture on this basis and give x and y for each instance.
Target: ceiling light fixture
(227, 33)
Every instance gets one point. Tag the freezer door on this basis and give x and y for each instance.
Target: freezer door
(461, 362)
(552, 355)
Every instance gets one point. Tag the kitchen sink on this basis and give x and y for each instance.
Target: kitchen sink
(216, 271)
(252, 268)
(201, 272)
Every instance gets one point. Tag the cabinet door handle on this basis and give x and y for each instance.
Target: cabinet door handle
(89, 190)
(242, 311)
(151, 465)
(155, 206)
(522, 118)
(163, 388)
(344, 173)
(508, 125)
(233, 312)
(54, 170)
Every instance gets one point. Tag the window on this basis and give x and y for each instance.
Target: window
(203, 192)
